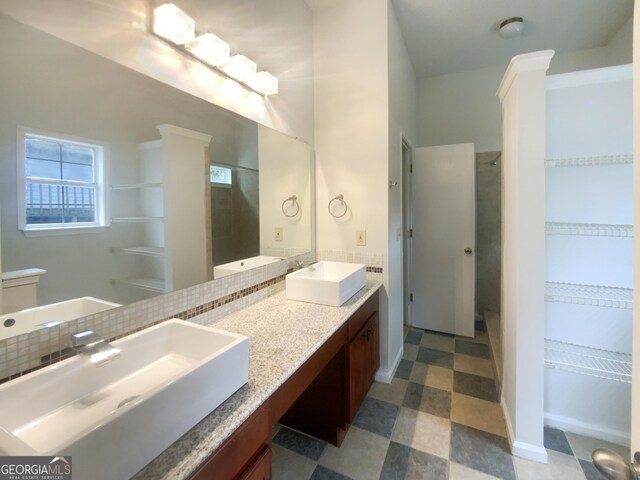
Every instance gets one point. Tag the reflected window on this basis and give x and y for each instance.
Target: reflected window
(220, 175)
(61, 182)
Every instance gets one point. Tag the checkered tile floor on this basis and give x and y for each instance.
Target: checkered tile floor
(439, 419)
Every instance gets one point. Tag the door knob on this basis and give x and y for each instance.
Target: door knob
(468, 250)
(613, 466)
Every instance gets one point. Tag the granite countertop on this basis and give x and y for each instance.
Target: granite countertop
(283, 334)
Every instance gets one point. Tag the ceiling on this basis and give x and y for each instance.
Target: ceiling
(447, 36)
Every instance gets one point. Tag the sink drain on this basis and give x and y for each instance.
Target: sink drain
(9, 322)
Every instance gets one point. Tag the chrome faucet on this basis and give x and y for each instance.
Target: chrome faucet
(87, 342)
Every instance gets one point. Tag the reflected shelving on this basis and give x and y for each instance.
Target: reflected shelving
(137, 219)
(147, 283)
(133, 186)
(143, 250)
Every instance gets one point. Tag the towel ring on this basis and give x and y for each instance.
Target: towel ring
(338, 198)
(294, 202)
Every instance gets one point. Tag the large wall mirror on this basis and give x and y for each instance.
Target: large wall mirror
(116, 187)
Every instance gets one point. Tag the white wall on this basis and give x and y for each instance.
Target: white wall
(402, 123)
(277, 34)
(621, 45)
(284, 170)
(462, 107)
(352, 132)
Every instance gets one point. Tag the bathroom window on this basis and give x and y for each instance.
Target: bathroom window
(61, 182)
(220, 176)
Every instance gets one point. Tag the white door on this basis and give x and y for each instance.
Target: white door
(443, 265)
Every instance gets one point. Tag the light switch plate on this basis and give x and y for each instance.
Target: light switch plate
(361, 238)
(278, 234)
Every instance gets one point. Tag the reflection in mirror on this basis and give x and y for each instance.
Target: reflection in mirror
(115, 187)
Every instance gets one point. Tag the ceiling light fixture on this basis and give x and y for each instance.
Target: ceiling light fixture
(172, 24)
(511, 27)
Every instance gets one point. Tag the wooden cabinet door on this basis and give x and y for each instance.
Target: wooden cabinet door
(364, 360)
(374, 347)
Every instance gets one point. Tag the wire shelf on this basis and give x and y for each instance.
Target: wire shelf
(144, 250)
(147, 283)
(588, 361)
(593, 295)
(589, 229)
(129, 186)
(589, 161)
(137, 219)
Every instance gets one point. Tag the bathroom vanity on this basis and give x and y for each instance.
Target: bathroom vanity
(310, 368)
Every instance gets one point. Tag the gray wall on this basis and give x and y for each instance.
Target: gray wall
(235, 218)
(488, 216)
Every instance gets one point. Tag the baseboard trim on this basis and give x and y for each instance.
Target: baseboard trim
(573, 425)
(530, 452)
(385, 376)
(524, 450)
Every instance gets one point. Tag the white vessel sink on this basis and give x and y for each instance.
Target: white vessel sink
(115, 419)
(25, 321)
(243, 265)
(326, 283)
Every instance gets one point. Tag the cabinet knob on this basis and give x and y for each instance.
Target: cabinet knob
(468, 250)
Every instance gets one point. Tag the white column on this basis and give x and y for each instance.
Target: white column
(523, 97)
(184, 183)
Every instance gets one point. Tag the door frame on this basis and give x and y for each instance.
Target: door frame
(406, 191)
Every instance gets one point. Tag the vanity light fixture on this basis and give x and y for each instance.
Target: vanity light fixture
(172, 24)
(240, 68)
(264, 83)
(210, 49)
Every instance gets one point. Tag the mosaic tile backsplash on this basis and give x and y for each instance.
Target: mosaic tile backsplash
(24, 353)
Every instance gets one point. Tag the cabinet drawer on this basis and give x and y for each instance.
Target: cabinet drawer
(364, 313)
(261, 468)
(238, 452)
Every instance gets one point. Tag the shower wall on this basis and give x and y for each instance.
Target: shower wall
(488, 240)
(235, 222)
